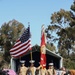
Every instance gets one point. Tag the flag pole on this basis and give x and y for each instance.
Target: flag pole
(31, 50)
(31, 55)
(20, 58)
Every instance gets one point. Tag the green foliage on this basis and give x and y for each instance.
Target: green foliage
(69, 64)
(62, 31)
(61, 17)
(10, 32)
(73, 6)
(50, 46)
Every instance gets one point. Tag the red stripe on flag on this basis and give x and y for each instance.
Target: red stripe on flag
(22, 54)
(22, 45)
(20, 50)
(18, 46)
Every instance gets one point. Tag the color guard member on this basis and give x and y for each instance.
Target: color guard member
(51, 70)
(23, 68)
(32, 68)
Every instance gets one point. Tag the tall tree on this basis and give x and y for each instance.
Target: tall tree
(63, 28)
(10, 32)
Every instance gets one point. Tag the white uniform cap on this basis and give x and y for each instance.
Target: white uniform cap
(22, 61)
(51, 64)
(31, 61)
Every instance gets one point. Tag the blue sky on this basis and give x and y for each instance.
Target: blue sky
(37, 12)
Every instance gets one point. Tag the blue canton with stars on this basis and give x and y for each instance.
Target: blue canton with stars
(25, 36)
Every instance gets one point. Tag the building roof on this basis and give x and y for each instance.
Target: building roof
(52, 53)
(49, 52)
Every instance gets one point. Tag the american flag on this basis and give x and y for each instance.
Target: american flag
(22, 45)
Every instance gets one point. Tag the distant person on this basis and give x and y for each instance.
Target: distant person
(23, 68)
(51, 70)
(59, 72)
(64, 71)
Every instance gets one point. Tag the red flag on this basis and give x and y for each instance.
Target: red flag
(43, 49)
(22, 45)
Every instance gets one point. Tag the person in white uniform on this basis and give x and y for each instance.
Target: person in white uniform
(32, 67)
(23, 68)
(51, 70)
